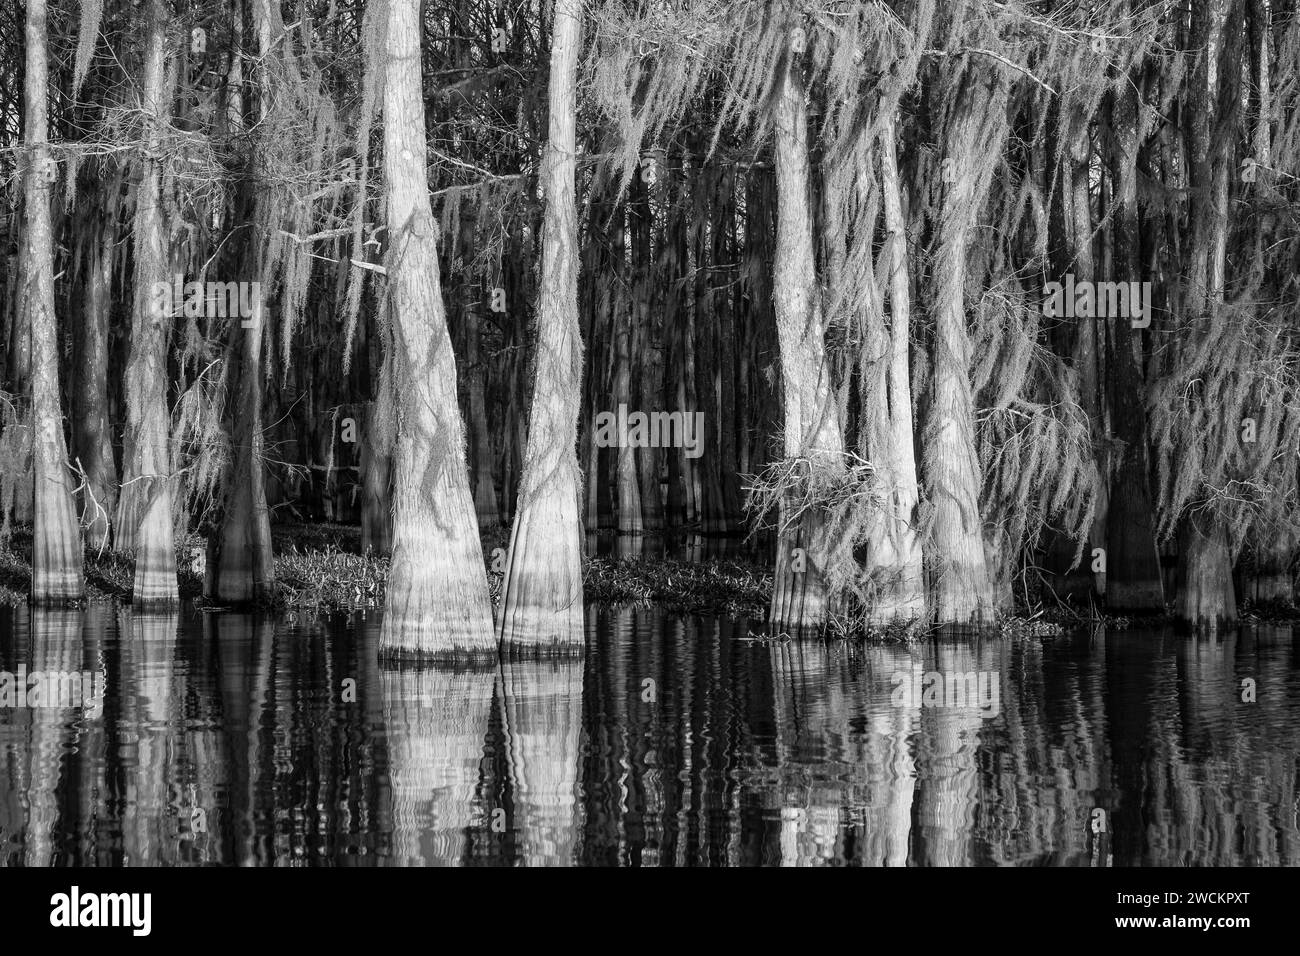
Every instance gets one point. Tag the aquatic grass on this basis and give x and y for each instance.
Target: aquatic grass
(320, 569)
(329, 579)
(110, 575)
(1269, 612)
(719, 586)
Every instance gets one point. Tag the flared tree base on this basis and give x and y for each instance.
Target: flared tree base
(800, 605)
(1207, 599)
(437, 606)
(542, 610)
(155, 584)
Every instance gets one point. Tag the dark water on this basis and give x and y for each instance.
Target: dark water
(225, 739)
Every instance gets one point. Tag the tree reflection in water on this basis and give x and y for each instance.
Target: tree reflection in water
(252, 741)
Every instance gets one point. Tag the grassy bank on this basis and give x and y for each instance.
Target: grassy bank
(320, 568)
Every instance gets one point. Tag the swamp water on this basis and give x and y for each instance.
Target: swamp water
(198, 738)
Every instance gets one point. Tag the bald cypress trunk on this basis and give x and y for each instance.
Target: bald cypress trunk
(437, 600)
(812, 426)
(621, 319)
(1207, 597)
(1089, 355)
(56, 543)
(241, 567)
(144, 519)
(376, 487)
(898, 553)
(542, 594)
(92, 436)
(1133, 578)
(485, 494)
(646, 349)
(961, 585)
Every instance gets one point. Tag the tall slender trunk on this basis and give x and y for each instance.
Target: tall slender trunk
(689, 399)
(812, 426)
(437, 602)
(621, 319)
(674, 257)
(485, 494)
(961, 586)
(241, 568)
(646, 347)
(56, 543)
(92, 436)
(724, 259)
(144, 517)
(902, 596)
(1088, 356)
(542, 594)
(1133, 579)
(1207, 597)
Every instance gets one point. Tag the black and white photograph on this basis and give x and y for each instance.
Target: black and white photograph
(617, 434)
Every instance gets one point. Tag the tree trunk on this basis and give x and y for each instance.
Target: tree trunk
(241, 565)
(622, 317)
(144, 518)
(376, 487)
(542, 604)
(899, 555)
(485, 494)
(646, 347)
(92, 436)
(812, 426)
(1133, 580)
(1088, 357)
(962, 591)
(437, 602)
(1272, 578)
(56, 543)
(1206, 598)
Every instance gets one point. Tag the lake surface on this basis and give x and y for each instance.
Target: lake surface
(201, 739)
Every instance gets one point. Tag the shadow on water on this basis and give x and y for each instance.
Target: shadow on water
(133, 738)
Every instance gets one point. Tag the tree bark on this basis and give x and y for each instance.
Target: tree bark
(144, 519)
(376, 487)
(1206, 598)
(241, 565)
(812, 426)
(437, 601)
(485, 494)
(92, 436)
(621, 319)
(542, 604)
(56, 543)
(1133, 580)
(899, 555)
(961, 586)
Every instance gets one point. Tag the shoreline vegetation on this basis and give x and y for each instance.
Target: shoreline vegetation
(321, 568)
(972, 313)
